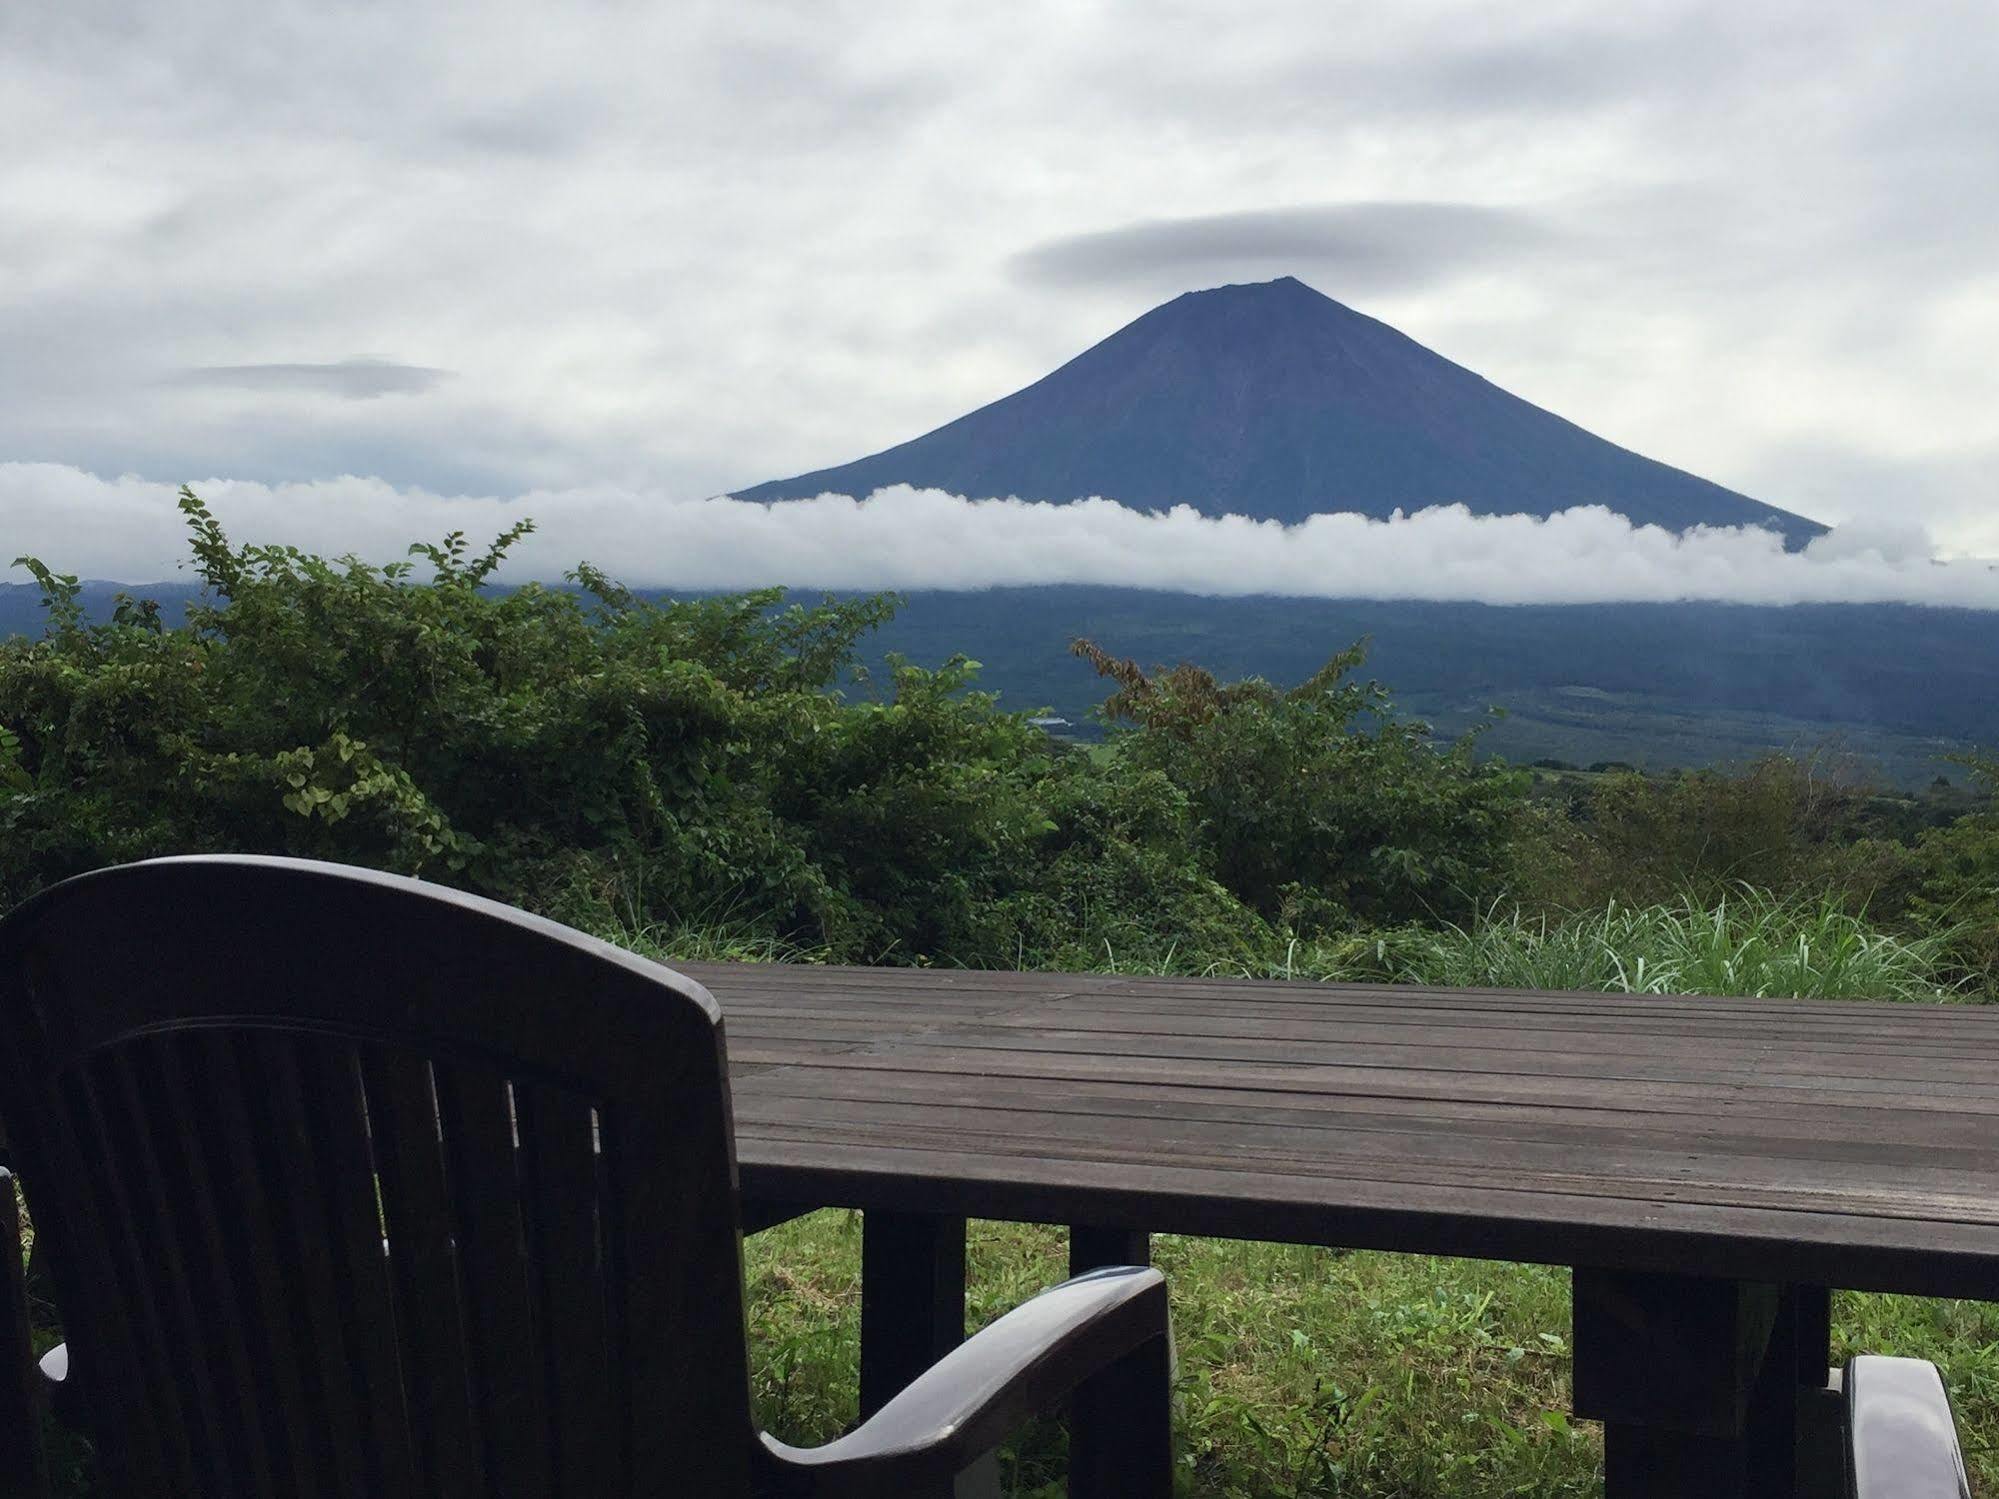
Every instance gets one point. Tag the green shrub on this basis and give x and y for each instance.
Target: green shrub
(637, 765)
(1954, 880)
(1783, 824)
(509, 741)
(1318, 807)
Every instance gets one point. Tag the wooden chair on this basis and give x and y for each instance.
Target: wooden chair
(351, 1185)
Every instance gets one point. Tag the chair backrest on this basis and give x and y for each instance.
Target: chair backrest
(356, 1186)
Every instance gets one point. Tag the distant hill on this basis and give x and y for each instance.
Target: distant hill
(1658, 685)
(1274, 401)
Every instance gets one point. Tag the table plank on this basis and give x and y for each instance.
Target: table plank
(1905, 1255)
(1849, 1169)
(1866, 1134)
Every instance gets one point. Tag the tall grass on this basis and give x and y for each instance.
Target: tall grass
(1751, 943)
(695, 943)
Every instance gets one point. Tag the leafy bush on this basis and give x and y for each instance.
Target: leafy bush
(1114, 883)
(1954, 879)
(631, 764)
(1318, 806)
(1781, 824)
(510, 742)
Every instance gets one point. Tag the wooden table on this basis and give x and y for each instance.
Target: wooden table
(1709, 1167)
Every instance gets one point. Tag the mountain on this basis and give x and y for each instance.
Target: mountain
(1275, 401)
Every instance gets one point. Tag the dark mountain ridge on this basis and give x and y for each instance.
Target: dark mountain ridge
(1275, 401)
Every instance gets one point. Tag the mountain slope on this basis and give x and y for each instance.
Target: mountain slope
(1275, 401)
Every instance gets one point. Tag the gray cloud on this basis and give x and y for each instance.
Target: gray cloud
(349, 379)
(549, 131)
(1366, 246)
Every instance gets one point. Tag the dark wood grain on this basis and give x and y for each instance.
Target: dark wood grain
(1783, 1141)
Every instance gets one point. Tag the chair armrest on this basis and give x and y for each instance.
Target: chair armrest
(1900, 1440)
(959, 1409)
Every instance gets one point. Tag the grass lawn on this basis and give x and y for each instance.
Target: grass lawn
(1313, 1371)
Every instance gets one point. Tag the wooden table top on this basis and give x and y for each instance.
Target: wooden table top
(1811, 1141)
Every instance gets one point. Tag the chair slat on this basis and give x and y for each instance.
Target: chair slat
(170, 1082)
(23, 1464)
(154, 1371)
(338, 1118)
(480, 1159)
(658, 1220)
(45, 1138)
(423, 1263)
(559, 1192)
(245, 1153)
(280, 1109)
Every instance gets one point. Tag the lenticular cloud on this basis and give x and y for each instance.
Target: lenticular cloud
(128, 529)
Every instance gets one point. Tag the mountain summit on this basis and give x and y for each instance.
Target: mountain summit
(1275, 401)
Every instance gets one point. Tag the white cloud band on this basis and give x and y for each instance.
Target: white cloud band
(128, 529)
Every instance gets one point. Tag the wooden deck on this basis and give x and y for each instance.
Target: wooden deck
(1709, 1166)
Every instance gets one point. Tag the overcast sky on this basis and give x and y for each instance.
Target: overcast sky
(673, 250)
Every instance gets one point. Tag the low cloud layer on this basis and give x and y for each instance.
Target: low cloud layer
(128, 529)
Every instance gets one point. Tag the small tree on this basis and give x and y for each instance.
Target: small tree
(1318, 805)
